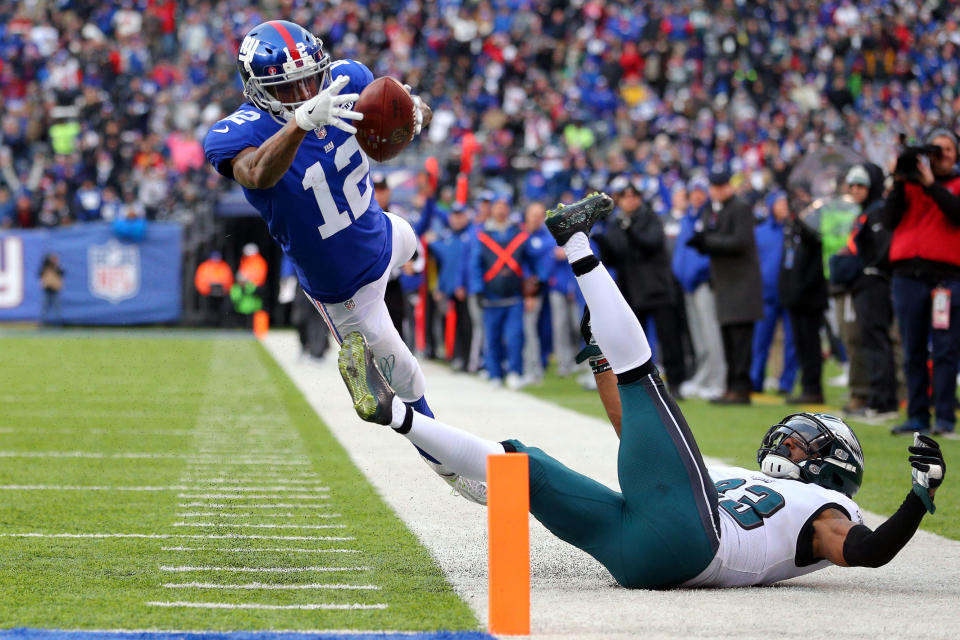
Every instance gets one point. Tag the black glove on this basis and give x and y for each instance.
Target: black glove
(696, 241)
(591, 352)
(929, 468)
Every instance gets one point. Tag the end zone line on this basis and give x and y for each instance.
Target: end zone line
(279, 505)
(220, 514)
(253, 525)
(167, 536)
(228, 605)
(270, 586)
(264, 569)
(239, 496)
(258, 550)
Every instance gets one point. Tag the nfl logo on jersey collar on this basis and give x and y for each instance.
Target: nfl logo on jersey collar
(321, 132)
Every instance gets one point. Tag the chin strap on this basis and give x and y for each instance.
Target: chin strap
(777, 466)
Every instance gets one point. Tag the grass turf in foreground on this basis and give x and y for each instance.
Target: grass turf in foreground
(198, 408)
(732, 434)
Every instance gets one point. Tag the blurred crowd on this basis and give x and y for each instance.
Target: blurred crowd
(104, 105)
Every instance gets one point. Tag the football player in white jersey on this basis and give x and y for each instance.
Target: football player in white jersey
(675, 523)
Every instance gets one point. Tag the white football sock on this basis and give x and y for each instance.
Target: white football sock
(458, 451)
(578, 246)
(615, 327)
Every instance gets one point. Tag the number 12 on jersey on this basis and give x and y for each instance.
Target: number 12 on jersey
(315, 178)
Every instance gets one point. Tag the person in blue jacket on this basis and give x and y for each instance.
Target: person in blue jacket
(692, 270)
(449, 248)
(500, 261)
(769, 235)
(536, 327)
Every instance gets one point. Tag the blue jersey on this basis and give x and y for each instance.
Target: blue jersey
(322, 212)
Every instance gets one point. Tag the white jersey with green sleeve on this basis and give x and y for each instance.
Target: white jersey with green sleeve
(766, 528)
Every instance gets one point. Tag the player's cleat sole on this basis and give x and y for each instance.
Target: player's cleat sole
(568, 219)
(472, 490)
(372, 396)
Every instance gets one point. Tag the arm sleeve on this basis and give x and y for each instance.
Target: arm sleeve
(865, 548)
(948, 203)
(225, 140)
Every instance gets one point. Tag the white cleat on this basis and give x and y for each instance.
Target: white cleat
(472, 490)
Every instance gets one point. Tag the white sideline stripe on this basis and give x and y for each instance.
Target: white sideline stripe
(259, 550)
(240, 496)
(100, 432)
(166, 536)
(252, 525)
(250, 480)
(276, 505)
(228, 605)
(282, 460)
(264, 569)
(218, 514)
(67, 487)
(266, 585)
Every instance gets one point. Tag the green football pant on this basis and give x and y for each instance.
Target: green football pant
(663, 529)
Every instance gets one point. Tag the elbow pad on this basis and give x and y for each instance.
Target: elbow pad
(865, 548)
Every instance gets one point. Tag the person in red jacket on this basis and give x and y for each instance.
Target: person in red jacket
(923, 211)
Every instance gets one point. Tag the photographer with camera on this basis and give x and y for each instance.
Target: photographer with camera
(923, 212)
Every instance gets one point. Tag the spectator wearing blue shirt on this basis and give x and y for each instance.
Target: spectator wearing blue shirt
(536, 344)
(87, 202)
(692, 270)
(499, 263)
(449, 248)
(769, 236)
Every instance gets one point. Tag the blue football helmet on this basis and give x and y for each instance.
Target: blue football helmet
(834, 455)
(282, 65)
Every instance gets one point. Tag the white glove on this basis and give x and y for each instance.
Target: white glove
(417, 110)
(325, 108)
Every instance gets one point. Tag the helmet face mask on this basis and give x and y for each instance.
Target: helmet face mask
(282, 66)
(833, 456)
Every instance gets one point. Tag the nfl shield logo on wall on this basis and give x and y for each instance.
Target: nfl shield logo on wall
(114, 271)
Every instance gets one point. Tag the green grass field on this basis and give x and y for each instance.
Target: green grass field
(732, 435)
(193, 442)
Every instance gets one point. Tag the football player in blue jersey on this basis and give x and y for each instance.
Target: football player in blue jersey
(291, 148)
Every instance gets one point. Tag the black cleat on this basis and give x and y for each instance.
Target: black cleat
(567, 219)
(372, 396)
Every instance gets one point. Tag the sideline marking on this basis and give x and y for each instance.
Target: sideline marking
(218, 514)
(166, 536)
(266, 585)
(278, 505)
(228, 605)
(258, 550)
(251, 525)
(159, 456)
(264, 569)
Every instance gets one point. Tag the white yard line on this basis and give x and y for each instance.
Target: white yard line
(178, 487)
(96, 455)
(270, 586)
(304, 607)
(265, 569)
(220, 514)
(258, 550)
(572, 596)
(252, 525)
(251, 480)
(166, 536)
(276, 505)
(119, 431)
(240, 496)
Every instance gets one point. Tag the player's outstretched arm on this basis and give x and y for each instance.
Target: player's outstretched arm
(844, 543)
(424, 114)
(262, 167)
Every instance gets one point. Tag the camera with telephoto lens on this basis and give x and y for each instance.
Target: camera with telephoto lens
(907, 160)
